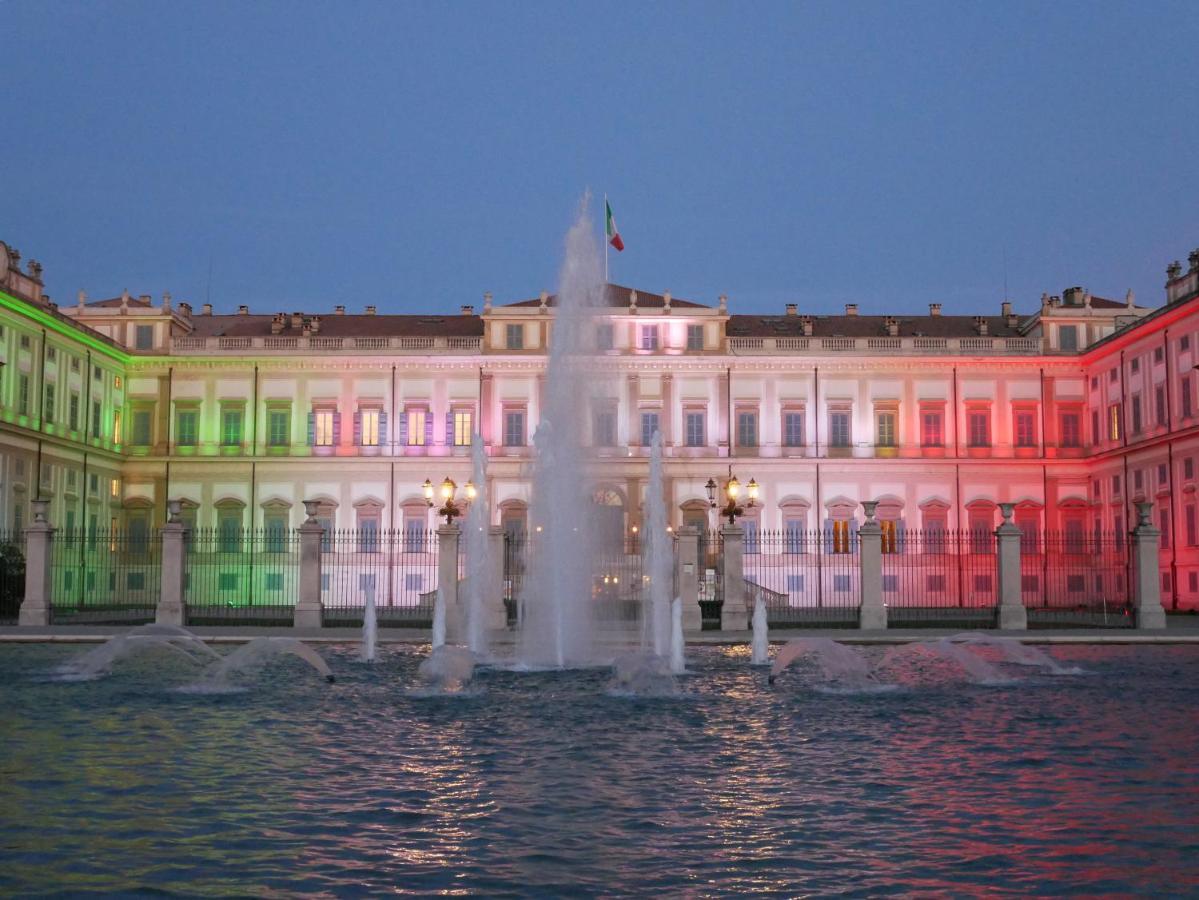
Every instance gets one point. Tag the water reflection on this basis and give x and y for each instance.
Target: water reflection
(546, 785)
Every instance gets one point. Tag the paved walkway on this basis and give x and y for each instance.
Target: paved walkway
(1179, 630)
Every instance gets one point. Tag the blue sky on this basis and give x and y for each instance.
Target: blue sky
(414, 155)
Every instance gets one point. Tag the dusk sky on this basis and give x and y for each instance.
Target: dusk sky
(414, 156)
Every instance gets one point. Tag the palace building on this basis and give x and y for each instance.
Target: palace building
(1073, 411)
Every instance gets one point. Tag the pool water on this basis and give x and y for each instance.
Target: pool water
(547, 784)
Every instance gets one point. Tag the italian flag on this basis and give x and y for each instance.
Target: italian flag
(613, 234)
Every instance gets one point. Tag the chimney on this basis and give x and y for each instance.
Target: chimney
(1005, 308)
(1192, 258)
(243, 310)
(793, 309)
(851, 309)
(1072, 296)
(724, 304)
(82, 299)
(1055, 300)
(339, 310)
(371, 310)
(206, 309)
(145, 298)
(934, 309)
(185, 309)
(1013, 320)
(633, 302)
(278, 323)
(1130, 299)
(806, 323)
(467, 310)
(980, 325)
(166, 301)
(297, 320)
(545, 303)
(892, 326)
(314, 324)
(486, 302)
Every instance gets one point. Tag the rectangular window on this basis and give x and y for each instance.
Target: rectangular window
(1185, 399)
(231, 422)
(604, 428)
(840, 537)
(48, 403)
(932, 428)
(1184, 342)
(1094, 426)
(747, 428)
(1163, 479)
(278, 427)
(1135, 365)
(23, 394)
(322, 421)
(1163, 523)
(229, 532)
(368, 423)
(649, 337)
(1136, 414)
(143, 337)
(186, 422)
(368, 534)
(1138, 480)
(1067, 337)
(1026, 429)
(416, 426)
(514, 428)
(1158, 355)
(885, 430)
(463, 427)
(275, 533)
(1188, 468)
(1113, 422)
(1113, 375)
(605, 336)
(1189, 519)
(73, 412)
(1070, 436)
(1159, 405)
(117, 434)
(979, 429)
(838, 428)
(794, 432)
(1116, 485)
(514, 336)
(695, 337)
(650, 422)
(696, 436)
(142, 420)
(97, 422)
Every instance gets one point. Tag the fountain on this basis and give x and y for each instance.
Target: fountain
(642, 674)
(1016, 652)
(659, 558)
(761, 640)
(953, 652)
(438, 618)
(370, 627)
(678, 646)
(448, 669)
(100, 660)
(558, 621)
(477, 542)
(840, 665)
(217, 678)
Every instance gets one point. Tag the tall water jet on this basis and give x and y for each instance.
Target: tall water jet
(558, 621)
(678, 645)
(477, 542)
(438, 618)
(370, 626)
(659, 555)
(761, 640)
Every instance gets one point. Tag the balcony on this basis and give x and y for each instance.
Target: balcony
(271, 345)
(899, 346)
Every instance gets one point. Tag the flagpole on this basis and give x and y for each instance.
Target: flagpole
(604, 232)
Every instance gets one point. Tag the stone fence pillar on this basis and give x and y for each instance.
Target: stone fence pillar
(1012, 615)
(35, 608)
(174, 569)
(1147, 591)
(733, 614)
(447, 581)
(687, 568)
(496, 615)
(872, 615)
(309, 612)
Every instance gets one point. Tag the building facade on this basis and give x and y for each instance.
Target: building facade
(1073, 412)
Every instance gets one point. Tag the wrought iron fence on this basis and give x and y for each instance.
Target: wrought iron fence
(12, 574)
(807, 578)
(1077, 578)
(105, 576)
(940, 577)
(398, 567)
(711, 579)
(241, 575)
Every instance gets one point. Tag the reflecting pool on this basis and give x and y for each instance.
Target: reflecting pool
(553, 783)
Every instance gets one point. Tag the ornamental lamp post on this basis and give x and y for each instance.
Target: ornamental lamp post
(450, 510)
(732, 490)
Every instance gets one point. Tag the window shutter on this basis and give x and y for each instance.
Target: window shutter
(449, 428)
(336, 429)
(404, 426)
(853, 535)
(358, 428)
(828, 537)
(382, 429)
(429, 428)
(900, 536)
(312, 429)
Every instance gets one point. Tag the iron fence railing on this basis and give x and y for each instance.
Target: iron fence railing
(1076, 578)
(939, 577)
(806, 577)
(242, 575)
(12, 574)
(397, 567)
(105, 576)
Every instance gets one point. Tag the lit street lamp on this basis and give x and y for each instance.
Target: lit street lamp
(732, 490)
(450, 510)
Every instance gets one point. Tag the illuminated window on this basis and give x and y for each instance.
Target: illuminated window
(116, 382)
(116, 426)
(840, 534)
(463, 427)
(416, 426)
(368, 424)
(1113, 422)
(890, 535)
(323, 427)
(114, 487)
